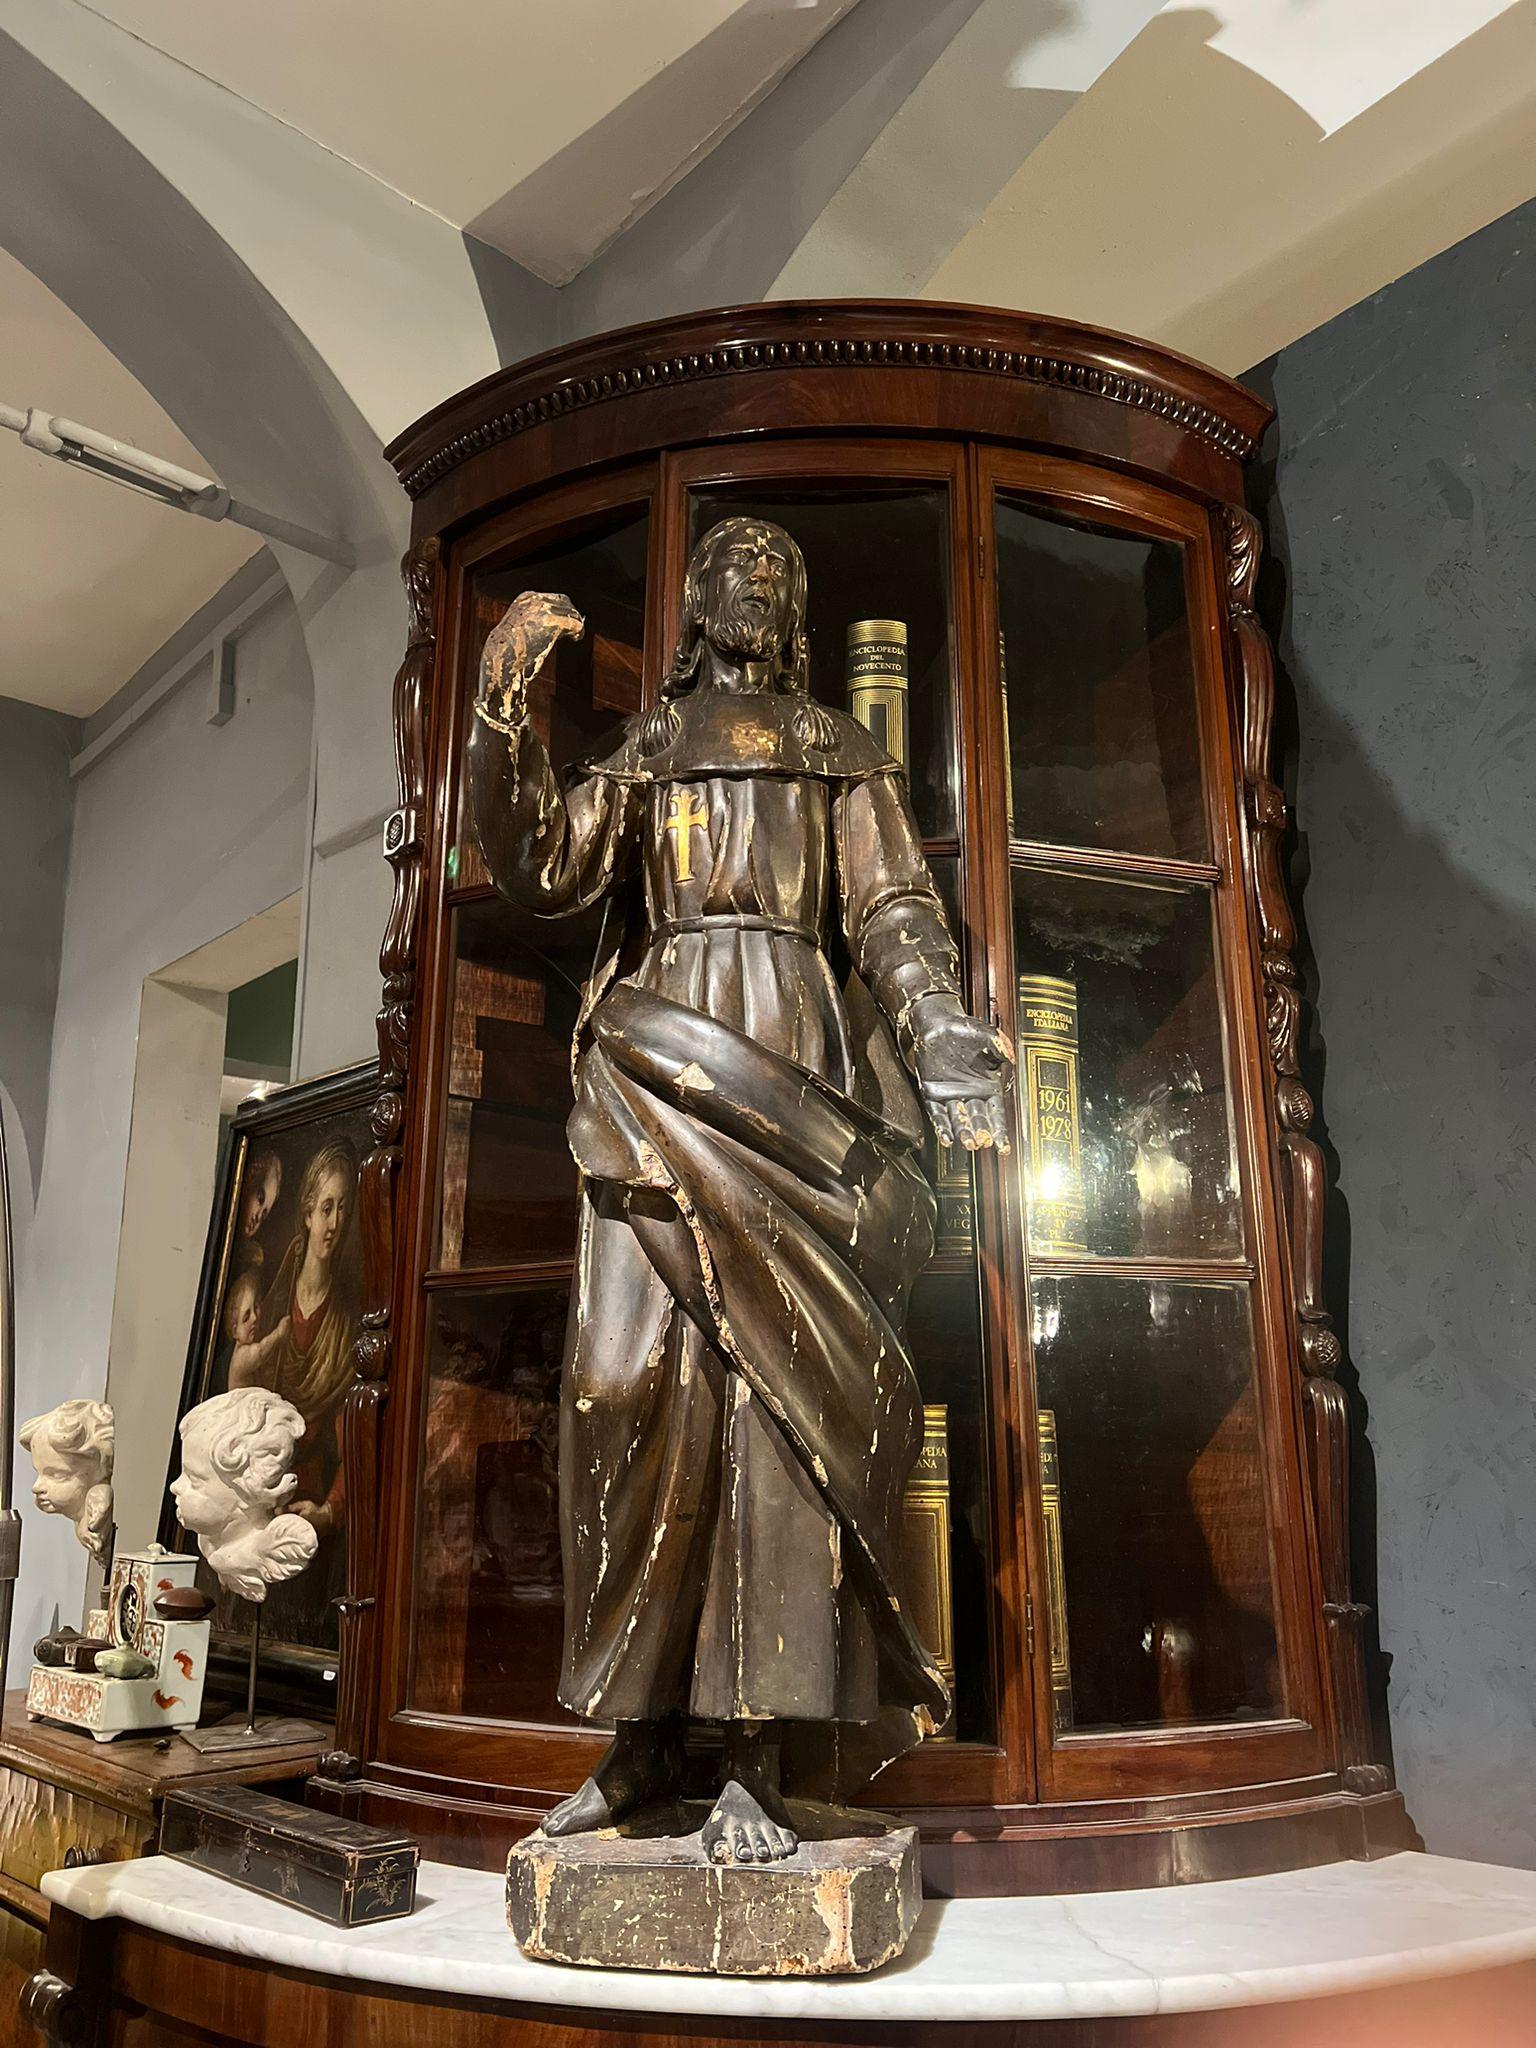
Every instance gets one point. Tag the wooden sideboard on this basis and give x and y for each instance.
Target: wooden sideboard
(66, 1799)
(112, 1981)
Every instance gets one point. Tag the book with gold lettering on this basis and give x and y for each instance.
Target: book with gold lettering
(925, 1532)
(1051, 1104)
(956, 1231)
(1002, 681)
(877, 677)
(1055, 1572)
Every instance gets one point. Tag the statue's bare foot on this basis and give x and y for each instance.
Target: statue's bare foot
(585, 1810)
(739, 1830)
(642, 1764)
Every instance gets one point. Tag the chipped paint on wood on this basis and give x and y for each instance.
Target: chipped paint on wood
(610, 1901)
(739, 1164)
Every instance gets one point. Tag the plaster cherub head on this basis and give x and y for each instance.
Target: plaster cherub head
(71, 1451)
(236, 1459)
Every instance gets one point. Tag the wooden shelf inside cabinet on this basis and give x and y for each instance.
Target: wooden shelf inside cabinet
(464, 893)
(1037, 853)
(497, 1279)
(1136, 1443)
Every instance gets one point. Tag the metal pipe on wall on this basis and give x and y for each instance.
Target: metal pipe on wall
(166, 482)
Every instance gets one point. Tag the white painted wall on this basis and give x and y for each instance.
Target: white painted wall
(35, 804)
(181, 832)
(178, 1083)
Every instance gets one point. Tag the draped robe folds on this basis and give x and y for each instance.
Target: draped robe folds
(739, 1415)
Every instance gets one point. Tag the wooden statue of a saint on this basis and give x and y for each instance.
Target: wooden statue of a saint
(739, 1415)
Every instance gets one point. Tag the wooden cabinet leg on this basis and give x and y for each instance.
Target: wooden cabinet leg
(66, 2000)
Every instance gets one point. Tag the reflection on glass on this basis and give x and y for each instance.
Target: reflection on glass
(509, 1182)
(587, 687)
(875, 557)
(1157, 1174)
(1170, 1597)
(488, 1608)
(944, 1333)
(1098, 681)
(950, 1167)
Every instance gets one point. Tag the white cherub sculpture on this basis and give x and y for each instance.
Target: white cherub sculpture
(71, 1448)
(236, 1455)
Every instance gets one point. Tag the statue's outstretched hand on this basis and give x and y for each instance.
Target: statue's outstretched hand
(516, 648)
(965, 1069)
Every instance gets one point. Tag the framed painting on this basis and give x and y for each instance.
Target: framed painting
(278, 1306)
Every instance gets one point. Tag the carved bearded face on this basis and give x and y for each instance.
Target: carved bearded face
(748, 592)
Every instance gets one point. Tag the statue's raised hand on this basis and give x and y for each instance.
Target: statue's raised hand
(964, 1069)
(517, 648)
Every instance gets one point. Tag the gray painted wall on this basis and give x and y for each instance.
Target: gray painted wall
(181, 832)
(35, 804)
(1402, 517)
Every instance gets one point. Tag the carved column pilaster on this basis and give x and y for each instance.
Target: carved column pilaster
(1324, 1405)
(363, 1410)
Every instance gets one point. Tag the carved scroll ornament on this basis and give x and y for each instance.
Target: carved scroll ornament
(362, 1412)
(1324, 1404)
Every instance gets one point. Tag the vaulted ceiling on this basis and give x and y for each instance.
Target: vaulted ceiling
(1220, 175)
(1177, 170)
(542, 127)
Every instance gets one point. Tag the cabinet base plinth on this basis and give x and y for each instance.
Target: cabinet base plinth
(980, 1851)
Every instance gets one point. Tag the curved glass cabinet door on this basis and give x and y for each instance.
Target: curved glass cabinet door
(1158, 1558)
(1098, 676)
(484, 1556)
(1122, 1069)
(587, 687)
(489, 1611)
(1170, 1608)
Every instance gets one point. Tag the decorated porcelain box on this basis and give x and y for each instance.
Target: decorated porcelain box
(169, 1694)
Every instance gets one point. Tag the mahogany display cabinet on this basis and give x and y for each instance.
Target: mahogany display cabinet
(1131, 1520)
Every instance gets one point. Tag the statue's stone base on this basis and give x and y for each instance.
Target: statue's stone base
(653, 1902)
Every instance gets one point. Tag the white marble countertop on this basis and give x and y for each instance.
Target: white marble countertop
(1256, 1940)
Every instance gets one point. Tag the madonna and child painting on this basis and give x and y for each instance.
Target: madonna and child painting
(279, 1308)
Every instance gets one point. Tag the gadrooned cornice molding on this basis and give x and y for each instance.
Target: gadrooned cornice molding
(607, 368)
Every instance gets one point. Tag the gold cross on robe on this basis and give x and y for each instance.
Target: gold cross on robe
(687, 813)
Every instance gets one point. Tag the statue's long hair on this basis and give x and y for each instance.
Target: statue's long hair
(791, 674)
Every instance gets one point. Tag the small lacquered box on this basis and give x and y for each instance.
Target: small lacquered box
(336, 1869)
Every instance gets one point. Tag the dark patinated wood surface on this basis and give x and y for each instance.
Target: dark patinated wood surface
(361, 1416)
(965, 400)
